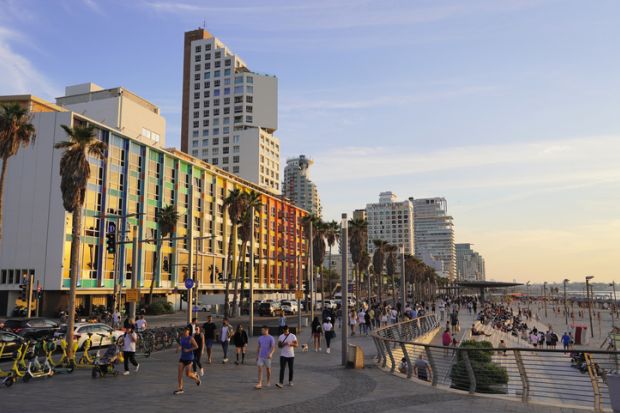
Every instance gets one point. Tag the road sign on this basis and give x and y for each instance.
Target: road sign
(132, 295)
(299, 294)
(189, 283)
(111, 227)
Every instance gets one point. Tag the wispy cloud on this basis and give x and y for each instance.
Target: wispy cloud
(18, 73)
(93, 5)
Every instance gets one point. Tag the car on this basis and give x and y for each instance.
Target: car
(9, 343)
(32, 328)
(268, 309)
(199, 307)
(101, 334)
(289, 307)
(329, 304)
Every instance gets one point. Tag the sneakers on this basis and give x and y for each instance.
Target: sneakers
(258, 386)
(137, 368)
(290, 383)
(178, 392)
(319, 348)
(328, 351)
(202, 372)
(225, 361)
(279, 385)
(126, 373)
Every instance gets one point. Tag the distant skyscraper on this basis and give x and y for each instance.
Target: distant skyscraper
(360, 214)
(392, 221)
(469, 264)
(298, 187)
(229, 112)
(434, 235)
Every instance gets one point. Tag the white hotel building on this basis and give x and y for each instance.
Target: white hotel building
(229, 112)
(392, 221)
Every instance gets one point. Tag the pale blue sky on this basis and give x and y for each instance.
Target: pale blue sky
(509, 109)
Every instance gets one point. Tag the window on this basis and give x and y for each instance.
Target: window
(238, 119)
(216, 112)
(208, 56)
(226, 129)
(248, 119)
(195, 152)
(249, 89)
(235, 138)
(216, 83)
(197, 67)
(197, 49)
(227, 62)
(218, 54)
(238, 89)
(238, 99)
(205, 142)
(196, 105)
(236, 159)
(216, 131)
(207, 47)
(196, 114)
(214, 161)
(227, 91)
(238, 109)
(225, 168)
(206, 93)
(227, 81)
(226, 111)
(238, 80)
(249, 99)
(205, 152)
(197, 95)
(205, 122)
(197, 58)
(216, 122)
(216, 92)
(225, 149)
(235, 169)
(216, 141)
(215, 151)
(218, 63)
(216, 102)
(236, 149)
(225, 140)
(197, 76)
(226, 121)
(248, 109)
(226, 72)
(208, 75)
(249, 79)
(196, 124)
(225, 160)
(207, 66)
(216, 73)
(195, 144)
(197, 86)
(194, 134)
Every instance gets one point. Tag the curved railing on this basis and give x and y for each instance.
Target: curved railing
(528, 374)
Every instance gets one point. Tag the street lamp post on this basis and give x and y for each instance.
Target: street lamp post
(565, 306)
(403, 284)
(613, 305)
(528, 294)
(344, 296)
(251, 271)
(545, 297)
(588, 278)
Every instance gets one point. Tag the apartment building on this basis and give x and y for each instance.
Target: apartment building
(469, 264)
(434, 235)
(392, 221)
(229, 113)
(298, 187)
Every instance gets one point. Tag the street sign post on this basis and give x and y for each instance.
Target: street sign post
(299, 294)
(189, 283)
(132, 295)
(111, 227)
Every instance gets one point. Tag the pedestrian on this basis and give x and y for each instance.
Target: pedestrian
(352, 322)
(240, 340)
(264, 353)
(566, 341)
(316, 334)
(225, 334)
(287, 343)
(361, 320)
(384, 318)
(129, 349)
(281, 322)
(209, 328)
(422, 369)
(446, 339)
(192, 326)
(141, 323)
(368, 322)
(187, 345)
(502, 345)
(328, 330)
(454, 320)
(199, 337)
(128, 323)
(442, 311)
(116, 320)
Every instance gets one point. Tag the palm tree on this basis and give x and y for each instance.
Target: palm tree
(233, 204)
(378, 260)
(74, 172)
(318, 248)
(309, 223)
(15, 131)
(390, 267)
(251, 203)
(363, 265)
(167, 218)
(358, 237)
(332, 234)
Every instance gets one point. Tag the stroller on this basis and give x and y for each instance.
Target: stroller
(106, 364)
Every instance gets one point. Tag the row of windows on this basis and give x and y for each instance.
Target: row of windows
(207, 94)
(12, 276)
(237, 119)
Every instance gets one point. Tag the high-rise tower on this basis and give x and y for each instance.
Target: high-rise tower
(229, 112)
(298, 187)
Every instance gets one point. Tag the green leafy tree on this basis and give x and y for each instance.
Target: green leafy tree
(378, 261)
(233, 205)
(167, 218)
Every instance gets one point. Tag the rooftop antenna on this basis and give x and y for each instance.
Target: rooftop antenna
(204, 23)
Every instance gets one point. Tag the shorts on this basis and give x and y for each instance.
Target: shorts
(209, 342)
(316, 335)
(264, 362)
(186, 362)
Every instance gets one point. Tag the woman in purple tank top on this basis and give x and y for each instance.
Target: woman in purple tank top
(187, 345)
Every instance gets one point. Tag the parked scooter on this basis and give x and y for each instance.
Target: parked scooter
(34, 367)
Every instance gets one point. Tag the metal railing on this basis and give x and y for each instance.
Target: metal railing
(478, 365)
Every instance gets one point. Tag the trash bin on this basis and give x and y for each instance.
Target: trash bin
(613, 384)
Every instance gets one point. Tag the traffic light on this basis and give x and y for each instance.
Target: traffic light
(184, 295)
(110, 242)
(23, 291)
(220, 277)
(166, 265)
(306, 287)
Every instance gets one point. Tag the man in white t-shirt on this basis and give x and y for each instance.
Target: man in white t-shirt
(129, 350)
(140, 323)
(287, 343)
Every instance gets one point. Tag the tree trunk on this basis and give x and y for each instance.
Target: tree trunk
(5, 161)
(237, 296)
(157, 270)
(73, 275)
(394, 290)
(380, 288)
(235, 270)
(228, 271)
(329, 270)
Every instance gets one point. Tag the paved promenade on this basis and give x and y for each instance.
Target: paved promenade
(320, 385)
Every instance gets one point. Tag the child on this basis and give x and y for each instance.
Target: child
(402, 367)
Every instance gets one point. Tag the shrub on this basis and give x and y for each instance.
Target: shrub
(160, 307)
(490, 377)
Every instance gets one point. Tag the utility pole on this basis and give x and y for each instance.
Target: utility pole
(30, 283)
(251, 273)
(311, 271)
(588, 278)
(344, 296)
(565, 305)
(134, 270)
(545, 297)
(403, 284)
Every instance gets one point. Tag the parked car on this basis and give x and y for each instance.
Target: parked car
(199, 307)
(268, 309)
(329, 304)
(101, 334)
(9, 343)
(289, 307)
(32, 327)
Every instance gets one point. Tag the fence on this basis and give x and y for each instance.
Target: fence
(480, 365)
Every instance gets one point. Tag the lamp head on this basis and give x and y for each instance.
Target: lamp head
(589, 277)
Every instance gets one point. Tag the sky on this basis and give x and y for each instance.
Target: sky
(508, 109)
